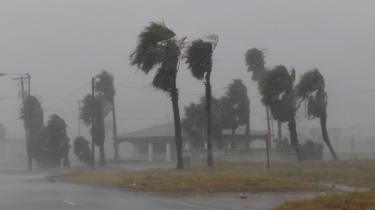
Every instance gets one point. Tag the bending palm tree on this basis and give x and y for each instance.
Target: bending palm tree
(311, 90)
(106, 92)
(93, 105)
(276, 88)
(199, 60)
(158, 46)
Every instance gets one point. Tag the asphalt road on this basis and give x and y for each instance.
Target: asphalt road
(23, 191)
(20, 190)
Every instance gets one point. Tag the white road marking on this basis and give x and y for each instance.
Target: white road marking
(70, 203)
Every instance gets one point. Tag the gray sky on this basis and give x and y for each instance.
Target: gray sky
(63, 43)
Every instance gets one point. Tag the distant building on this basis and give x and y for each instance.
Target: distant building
(157, 143)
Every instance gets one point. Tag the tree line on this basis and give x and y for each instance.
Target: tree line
(159, 49)
(50, 144)
(228, 112)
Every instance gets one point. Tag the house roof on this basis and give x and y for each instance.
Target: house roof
(156, 130)
(167, 130)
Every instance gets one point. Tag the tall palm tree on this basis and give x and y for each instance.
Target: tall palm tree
(89, 106)
(311, 90)
(105, 90)
(32, 111)
(158, 48)
(199, 60)
(277, 89)
(254, 59)
(236, 107)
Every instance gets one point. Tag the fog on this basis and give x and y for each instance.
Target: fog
(62, 44)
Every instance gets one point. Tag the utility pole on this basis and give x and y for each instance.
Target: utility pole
(268, 139)
(92, 123)
(352, 148)
(114, 130)
(26, 116)
(79, 118)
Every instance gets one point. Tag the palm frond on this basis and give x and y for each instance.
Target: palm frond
(310, 81)
(104, 86)
(199, 58)
(150, 50)
(254, 59)
(165, 76)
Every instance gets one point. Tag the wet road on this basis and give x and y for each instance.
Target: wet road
(21, 191)
(24, 191)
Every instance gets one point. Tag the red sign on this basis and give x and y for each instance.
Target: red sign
(267, 137)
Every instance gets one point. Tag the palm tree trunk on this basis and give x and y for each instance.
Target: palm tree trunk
(279, 130)
(66, 161)
(323, 125)
(102, 161)
(114, 130)
(2, 149)
(177, 126)
(247, 133)
(293, 136)
(210, 159)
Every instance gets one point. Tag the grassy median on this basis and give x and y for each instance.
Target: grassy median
(342, 201)
(234, 177)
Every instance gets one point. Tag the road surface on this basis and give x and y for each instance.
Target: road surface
(24, 191)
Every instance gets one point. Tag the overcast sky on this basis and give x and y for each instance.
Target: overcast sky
(63, 43)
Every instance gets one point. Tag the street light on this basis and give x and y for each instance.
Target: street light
(21, 77)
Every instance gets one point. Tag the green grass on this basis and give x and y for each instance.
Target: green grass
(358, 173)
(343, 201)
(235, 177)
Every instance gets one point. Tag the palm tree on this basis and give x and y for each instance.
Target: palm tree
(277, 89)
(254, 59)
(2, 140)
(311, 90)
(158, 48)
(94, 105)
(32, 111)
(199, 60)
(105, 90)
(239, 105)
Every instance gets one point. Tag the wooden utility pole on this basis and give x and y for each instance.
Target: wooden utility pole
(268, 139)
(92, 123)
(114, 130)
(79, 118)
(26, 117)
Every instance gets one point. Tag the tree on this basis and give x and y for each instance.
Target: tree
(49, 145)
(199, 60)
(94, 105)
(311, 90)
(58, 141)
(81, 149)
(236, 107)
(2, 139)
(105, 90)
(194, 124)
(159, 49)
(32, 109)
(277, 89)
(254, 60)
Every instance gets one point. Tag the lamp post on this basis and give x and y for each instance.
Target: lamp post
(20, 77)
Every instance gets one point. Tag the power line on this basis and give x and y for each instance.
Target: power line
(354, 92)
(146, 88)
(67, 95)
